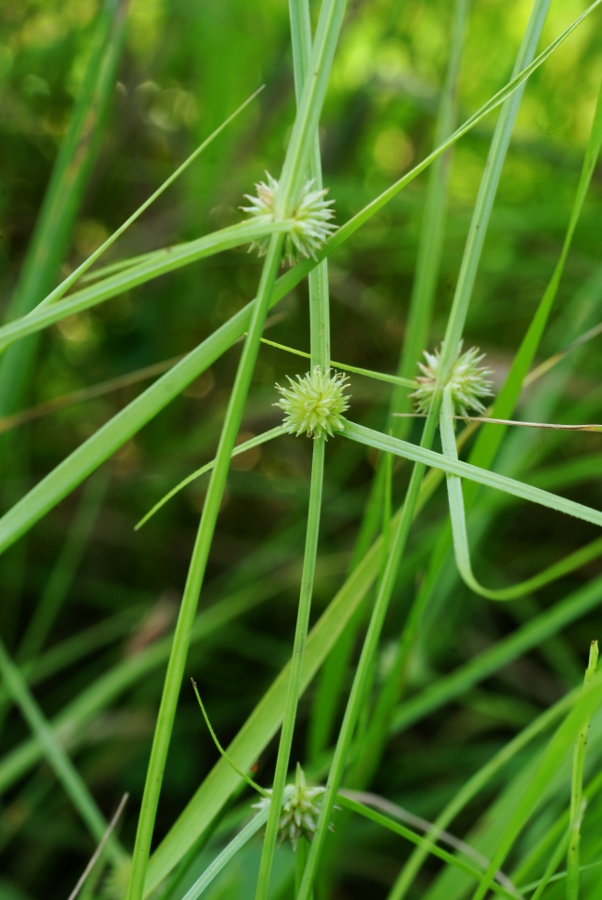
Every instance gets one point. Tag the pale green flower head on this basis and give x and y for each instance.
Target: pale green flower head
(468, 380)
(301, 807)
(310, 223)
(314, 405)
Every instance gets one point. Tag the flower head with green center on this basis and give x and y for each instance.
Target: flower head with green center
(314, 404)
(468, 381)
(300, 809)
(310, 223)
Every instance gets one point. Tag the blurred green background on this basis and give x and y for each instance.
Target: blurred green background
(185, 66)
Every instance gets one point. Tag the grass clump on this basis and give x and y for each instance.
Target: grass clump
(322, 593)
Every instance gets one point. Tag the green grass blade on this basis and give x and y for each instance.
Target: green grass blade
(77, 273)
(73, 721)
(527, 637)
(474, 785)
(555, 858)
(196, 572)
(63, 198)
(57, 758)
(182, 255)
(556, 751)
(423, 289)
(430, 246)
(262, 724)
(490, 438)
(256, 441)
(386, 822)
(379, 441)
(577, 805)
(460, 533)
(486, 197)
(63, 572)
(223, 858)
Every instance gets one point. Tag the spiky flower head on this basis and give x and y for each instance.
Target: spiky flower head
(301, 807)
(310, 223)
(468, 381)
(116, 883)
(314, 404)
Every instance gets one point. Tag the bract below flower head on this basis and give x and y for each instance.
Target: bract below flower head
(468, 381)
(314, 404)
(310, 223)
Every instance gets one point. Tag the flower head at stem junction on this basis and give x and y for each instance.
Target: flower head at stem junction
(314, 404)
(468, 381)
(310, 223)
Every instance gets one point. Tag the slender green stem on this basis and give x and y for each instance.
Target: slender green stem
(200, 555)
(369, 649)
(486, 197)
(368, 373)
(320, 356)
(220, 861)
(300, 861)
(294, 684)
(257, 441)
(553, 863)
(430, 246)
(577, 802)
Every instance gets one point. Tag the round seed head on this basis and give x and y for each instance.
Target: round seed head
(310, 223)
(468, 380)
(314, 404)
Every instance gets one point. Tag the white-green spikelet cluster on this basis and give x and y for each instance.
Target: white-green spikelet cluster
(301, 807)
(310, 223)
(314, 405)
(116, 883)
(468, 380)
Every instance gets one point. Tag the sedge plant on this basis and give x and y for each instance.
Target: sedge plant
(379, 576)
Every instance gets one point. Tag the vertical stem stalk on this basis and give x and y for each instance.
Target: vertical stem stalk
(357, 695)
(320, 356)
(294, 684)
(188, 607)
(577, 801)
